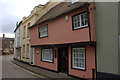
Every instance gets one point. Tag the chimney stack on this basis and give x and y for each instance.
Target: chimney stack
(3, 35)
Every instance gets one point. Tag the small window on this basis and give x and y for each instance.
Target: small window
(24, 33)
(80, 21)
(11, 45)
(47, 55)
(43, 31)
(78, 58)
(74, 1)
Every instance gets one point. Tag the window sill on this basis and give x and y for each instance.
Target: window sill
(27, 58)
(43, 37)
(78, 69)
(80, 28)
(28, 36)
(47, 61)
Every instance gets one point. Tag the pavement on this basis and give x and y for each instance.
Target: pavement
(42, 72)
(10, 70)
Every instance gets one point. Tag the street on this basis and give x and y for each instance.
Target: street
(10, 70)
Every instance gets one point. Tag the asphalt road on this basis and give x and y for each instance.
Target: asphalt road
(9, 70)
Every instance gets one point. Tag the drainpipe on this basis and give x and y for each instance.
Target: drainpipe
(94, 70)
(89, 22)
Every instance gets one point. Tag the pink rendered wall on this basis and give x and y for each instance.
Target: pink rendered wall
(92, 21)
(90, 64)
(38, 62)
(60, 31)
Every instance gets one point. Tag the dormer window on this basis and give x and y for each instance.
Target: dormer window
(74, 1)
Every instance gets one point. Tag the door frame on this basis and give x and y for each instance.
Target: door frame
(58, 58)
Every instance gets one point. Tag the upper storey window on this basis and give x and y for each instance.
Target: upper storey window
(28, 32)
(80, 20)
(24, 32)
(43, 31)
(74, 1)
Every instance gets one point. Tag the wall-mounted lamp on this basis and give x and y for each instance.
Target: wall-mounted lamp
(66, 17)
(37, 51)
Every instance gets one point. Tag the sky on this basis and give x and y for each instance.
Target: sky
(12, 11)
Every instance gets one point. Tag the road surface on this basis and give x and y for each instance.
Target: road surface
(10, 70)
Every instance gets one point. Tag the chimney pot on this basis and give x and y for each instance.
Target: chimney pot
(3, 35)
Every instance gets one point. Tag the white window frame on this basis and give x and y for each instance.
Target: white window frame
(77, 20)
(47, 56)
(79, 58)
(74, 1)
(43, 31)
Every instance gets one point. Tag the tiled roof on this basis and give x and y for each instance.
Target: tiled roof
(17, 26)
(58, 10)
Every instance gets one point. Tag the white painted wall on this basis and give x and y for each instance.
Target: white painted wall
(17, 43)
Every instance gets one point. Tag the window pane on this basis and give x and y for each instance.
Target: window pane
(82, 23)
(78, 58)
(43, 31)
(28, 50)
(47, 55)
(80, 20)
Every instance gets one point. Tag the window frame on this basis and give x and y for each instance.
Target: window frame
(24, 32)
(72, 58)
(24, 51)
(39, 31)
(28, 31)
(47, 60)
(74, 1)
(73, 28)
(28, 50)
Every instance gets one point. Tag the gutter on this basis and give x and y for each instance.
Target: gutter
(89, 22)
(85, 4)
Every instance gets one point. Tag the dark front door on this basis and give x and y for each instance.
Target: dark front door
(63, 59)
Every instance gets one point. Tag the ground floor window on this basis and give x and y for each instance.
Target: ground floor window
(47, 55)
(23, 50)
(27, 50)
(78, 58)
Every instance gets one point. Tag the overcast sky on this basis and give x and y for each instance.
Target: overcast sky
(12, 11)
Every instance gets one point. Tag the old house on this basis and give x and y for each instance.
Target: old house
(64, 39)
(27, 53)
(7, 46)
(17, 41)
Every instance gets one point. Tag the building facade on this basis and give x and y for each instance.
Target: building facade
(17, 41)
(107, 39)
(79, 39)
(7, 46)
(27, 53)
(64, 40)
